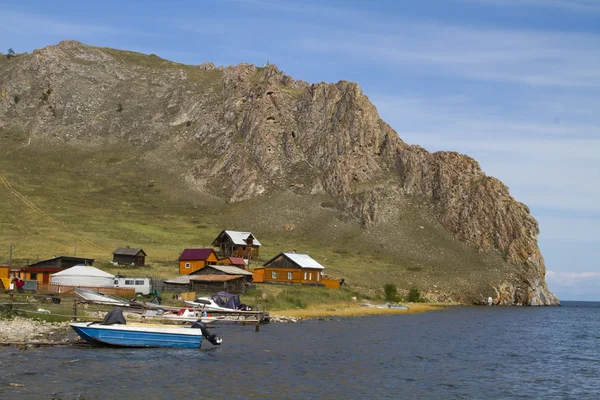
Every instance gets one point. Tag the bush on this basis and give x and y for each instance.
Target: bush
(391, 292)
(414, 295)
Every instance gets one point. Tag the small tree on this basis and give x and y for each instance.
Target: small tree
(10, 53)
(391, 292)
(414, 296)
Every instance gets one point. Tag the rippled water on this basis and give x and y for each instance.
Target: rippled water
(461, 353)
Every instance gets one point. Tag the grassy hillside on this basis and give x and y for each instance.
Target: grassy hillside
(55, 198)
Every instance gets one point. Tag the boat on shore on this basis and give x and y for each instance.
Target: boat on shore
(100, 298)
(221, 301)
(115, 331)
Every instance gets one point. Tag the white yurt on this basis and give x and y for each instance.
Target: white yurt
(83, 275)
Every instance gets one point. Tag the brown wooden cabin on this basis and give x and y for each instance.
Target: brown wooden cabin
(129, 256)
(291, 268)
(237, 244)
(192, 260)
(209, 284)
(178, 284)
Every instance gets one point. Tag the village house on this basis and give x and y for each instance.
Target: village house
(237, 244)
(129, 256)
(42, 270)
(216, 278)
(291, 268)
(192, 260)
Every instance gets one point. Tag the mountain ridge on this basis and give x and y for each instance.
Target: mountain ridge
(241, 132)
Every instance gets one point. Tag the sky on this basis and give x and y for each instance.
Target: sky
(514, 84)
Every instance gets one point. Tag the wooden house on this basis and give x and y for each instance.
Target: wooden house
(41, 274)
(215, 278)
(192, 260)
(129, 256)
(237, 244)
(291, 268)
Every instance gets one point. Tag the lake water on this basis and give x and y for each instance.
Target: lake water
(460, 353)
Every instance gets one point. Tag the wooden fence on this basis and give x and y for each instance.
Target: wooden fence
(67, 291)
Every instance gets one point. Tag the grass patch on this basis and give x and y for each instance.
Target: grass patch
(101, 199)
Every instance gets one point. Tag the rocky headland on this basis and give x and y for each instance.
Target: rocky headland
(242, 132)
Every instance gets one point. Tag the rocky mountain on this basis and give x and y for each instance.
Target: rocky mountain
(242, 132)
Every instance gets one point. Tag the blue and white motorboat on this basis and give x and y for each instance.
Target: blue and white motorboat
(116, 332)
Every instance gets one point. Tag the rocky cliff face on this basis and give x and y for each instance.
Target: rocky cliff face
(242, 131)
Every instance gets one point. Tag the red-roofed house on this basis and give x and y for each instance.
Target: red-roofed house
(234, 261)
(194, 259)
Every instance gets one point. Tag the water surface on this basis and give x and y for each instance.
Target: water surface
(460, 353)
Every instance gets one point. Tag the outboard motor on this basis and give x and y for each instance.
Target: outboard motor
(211, 337)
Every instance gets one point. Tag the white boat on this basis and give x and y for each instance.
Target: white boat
(221, 301)
(185, 314)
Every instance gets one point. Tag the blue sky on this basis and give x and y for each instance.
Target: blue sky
(513, 83)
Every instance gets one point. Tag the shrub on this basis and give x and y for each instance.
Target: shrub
(414, 295)
(391, 292)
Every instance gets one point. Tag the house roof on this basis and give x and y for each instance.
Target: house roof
(84, 270)
(239, 238)
(126, 251)
(195, 254)
(214, 278)
(302, 260)
(237, 261)
(65, 258)
(182, 280)
(228, 269)
(41, 269)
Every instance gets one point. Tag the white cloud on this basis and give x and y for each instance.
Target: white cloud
(574, 282)
(25, 24)
(585, 6)
(525, 57)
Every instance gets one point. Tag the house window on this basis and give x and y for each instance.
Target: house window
(289, 276)
(244, 248)
(273, 274)
(310, 276)
(318, 277)
(304, 275)
(33, 276)
(187, 265)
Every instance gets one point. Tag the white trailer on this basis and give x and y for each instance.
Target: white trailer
(140, 285)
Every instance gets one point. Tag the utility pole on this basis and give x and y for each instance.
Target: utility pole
(10, 256)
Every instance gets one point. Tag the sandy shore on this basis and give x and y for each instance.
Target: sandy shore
(356, 310)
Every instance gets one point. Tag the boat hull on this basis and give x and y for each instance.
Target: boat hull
(138, 335)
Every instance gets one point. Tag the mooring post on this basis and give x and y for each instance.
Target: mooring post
(257, 329)
(74, 310)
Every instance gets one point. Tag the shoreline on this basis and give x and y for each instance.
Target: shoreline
(357, 310)
(21, 331)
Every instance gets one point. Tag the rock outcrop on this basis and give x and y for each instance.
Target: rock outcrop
(244, 131)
